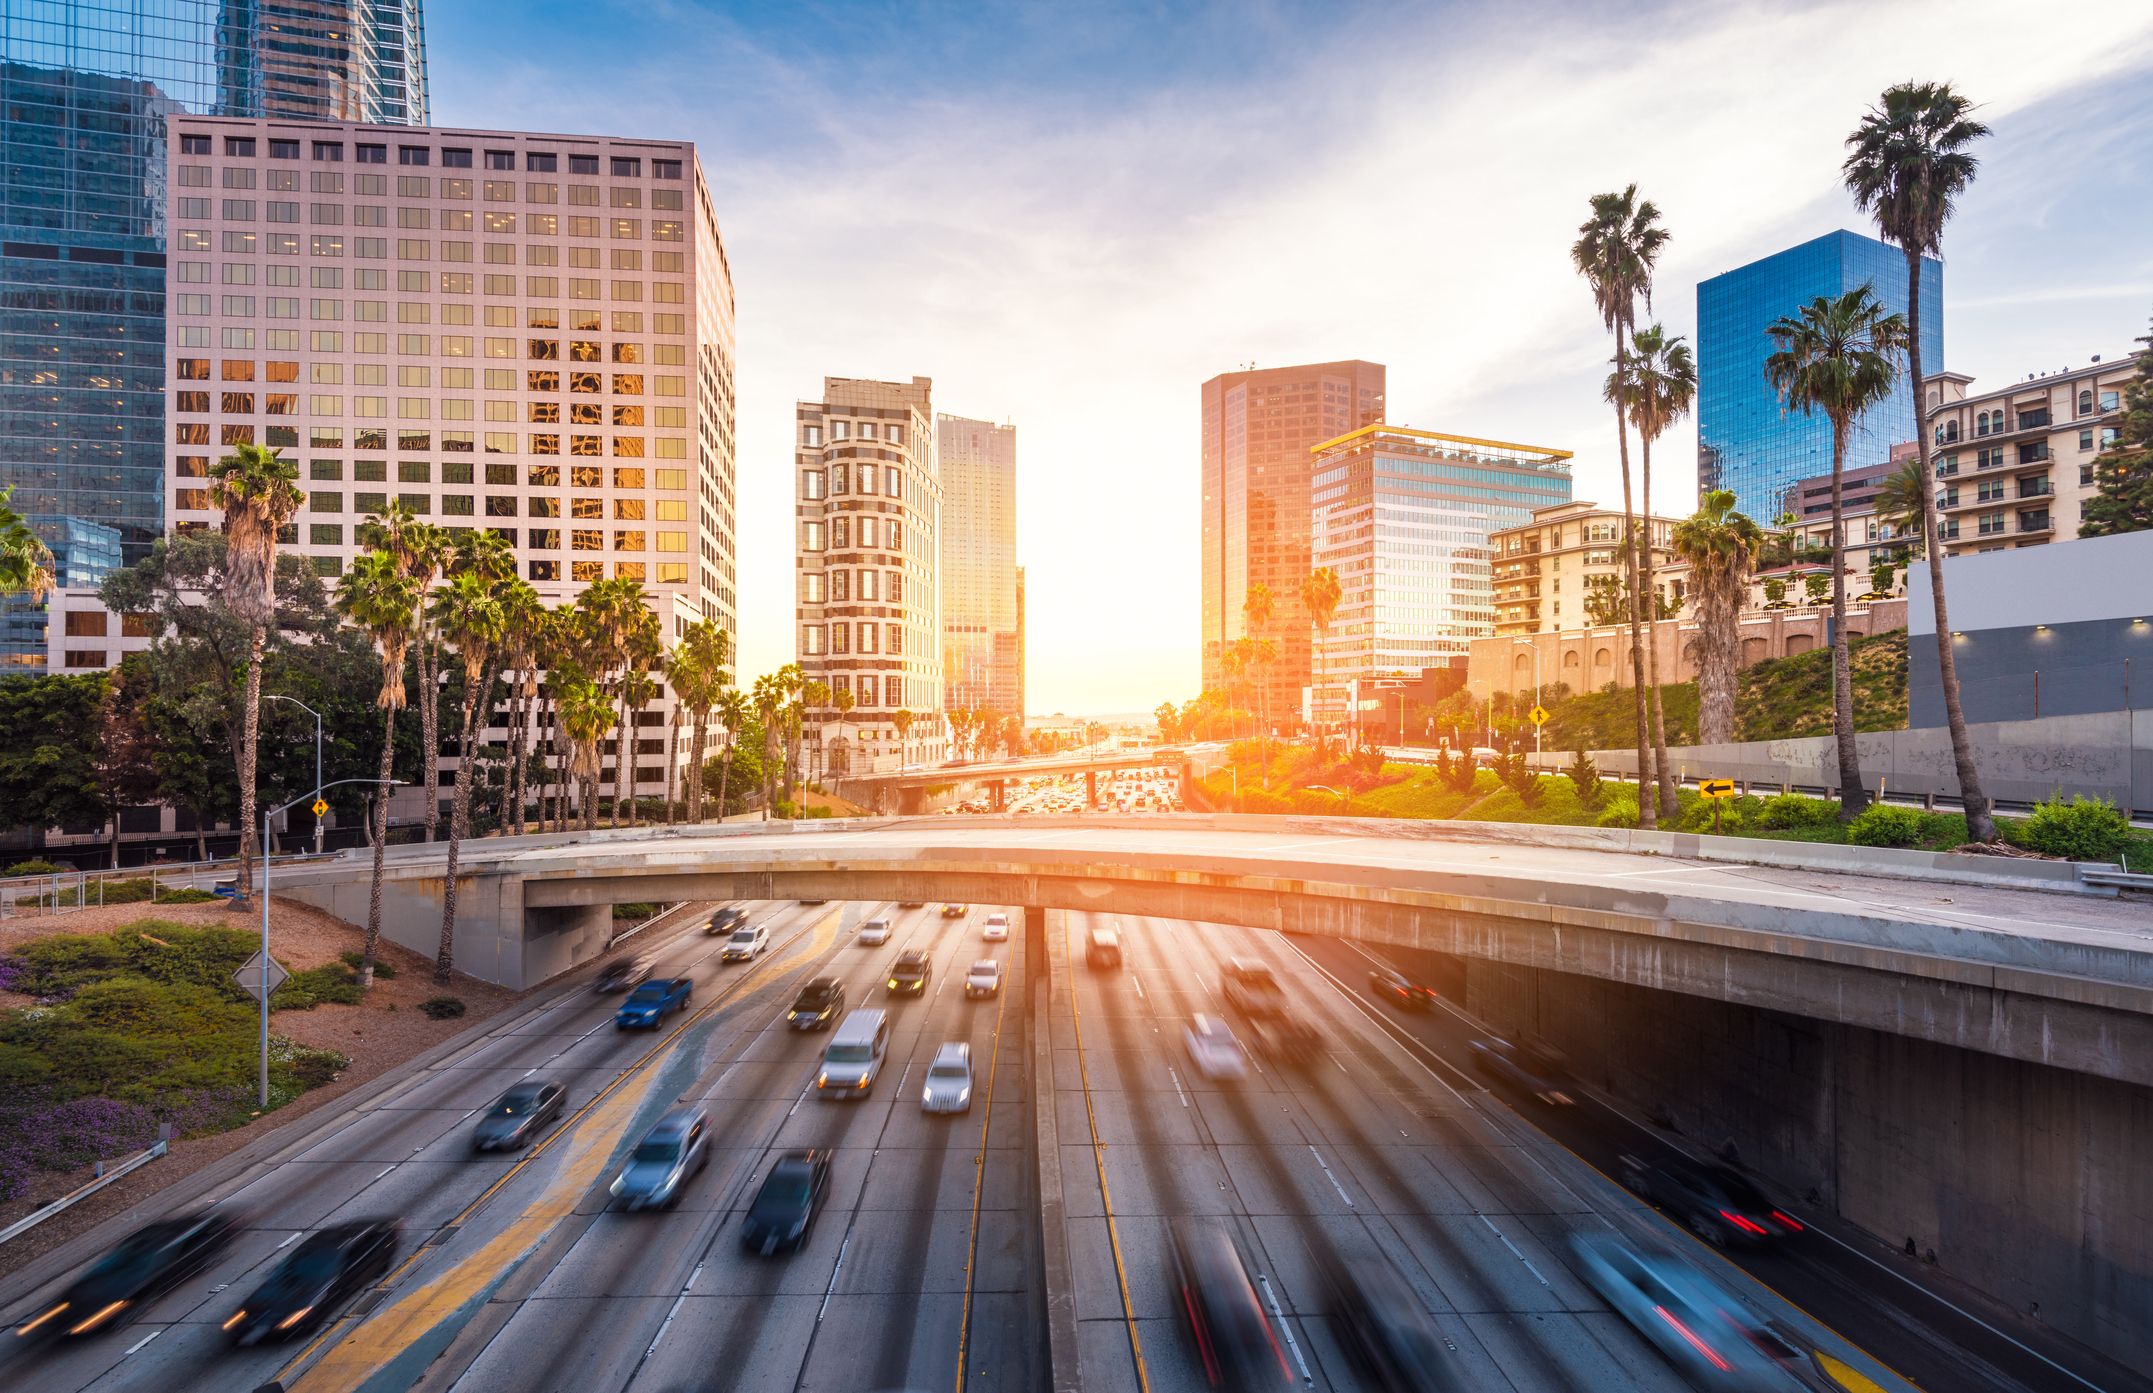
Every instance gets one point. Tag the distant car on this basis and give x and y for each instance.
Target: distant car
(1385, 1329)
(908, 976)
(819, 1004)
(875, 931)
(327, 1270)
(725, 921)
(1213, 1050)
(948, 1087)
(148, 1263)
(671, 1151)
(746, 944)
(1102, 948)
(1400, 990)
(1286, 1040)
(518, 1115)
(784, 1210)
(1250, 988)
(1705, 1334)
(814, 902)
(1522, 1067)
(985, 978)
(621, 974)
(911, 904)
(652, 1002)
(1216, 1306)
(955, 911)
(1714, 1202)
(996, 929)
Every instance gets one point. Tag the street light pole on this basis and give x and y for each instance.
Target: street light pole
(317, 764)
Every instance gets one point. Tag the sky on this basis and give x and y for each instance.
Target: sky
(1070, 216)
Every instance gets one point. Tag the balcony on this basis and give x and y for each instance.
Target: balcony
(2035, 488)
(2035, 522)
(2035, 453)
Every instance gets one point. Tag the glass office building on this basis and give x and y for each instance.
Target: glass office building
(84, 90)
(1746, 441)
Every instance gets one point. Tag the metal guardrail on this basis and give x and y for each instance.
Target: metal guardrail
(65, 892)
(31, 1221)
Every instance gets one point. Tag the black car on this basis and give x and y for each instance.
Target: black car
(1219, 1312)
(1537, 1073)
(519, 1115)
(909, 976)
(1284, 1040)
(725, 921)
(622, 974)
(1384, 1327)
(147, 1263)
(785, 1208)
(818, 1005)
(323, 1273)
(1713, 1202)
(1400, 990)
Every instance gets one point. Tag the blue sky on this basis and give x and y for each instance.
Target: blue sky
(1070, 216)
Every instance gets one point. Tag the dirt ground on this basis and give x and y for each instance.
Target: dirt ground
(378, 1035)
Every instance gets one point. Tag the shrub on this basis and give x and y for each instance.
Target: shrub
(1457, 775)
(1583, 773)
(1792, 810)
(2084, 829)
(634, 912)
(382, 971)
(1883, 824)
(34, 868)
(1519, 779)
(1620, 810)
(442, 1008)
(1698, 817)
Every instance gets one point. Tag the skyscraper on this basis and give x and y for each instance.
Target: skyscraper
(977, 461)
(1258, 428)
(1748, 442)
(324, 60)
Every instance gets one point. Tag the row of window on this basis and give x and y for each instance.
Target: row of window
(866, 636)
(331, 215)
(838, 534)
(850, 430)
(196, 176)
(422, 375)
(238, 338)
(411, 312)
(505, 506)
(421, 282)
(240, 147)
(537, 476)
(452, 441)
(846, 478)
(836, 586)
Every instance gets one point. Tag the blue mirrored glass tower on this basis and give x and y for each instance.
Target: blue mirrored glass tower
(1745, 440)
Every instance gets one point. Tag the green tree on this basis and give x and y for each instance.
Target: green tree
(586, 710)
(1911, 161)
(699, 668)
(50, 728)
(1720, 545)
(734, 712)
(421, 549)
(1899, 506)
(1616, 250)
(376, 595)
(1839, 357)
(25, 562)
(468, 615)
(2123, 471)
(1663, 383)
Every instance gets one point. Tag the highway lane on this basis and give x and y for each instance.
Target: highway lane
(1369, 1153)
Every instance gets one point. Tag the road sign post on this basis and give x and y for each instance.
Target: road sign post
(1718, 790)
(256, 982)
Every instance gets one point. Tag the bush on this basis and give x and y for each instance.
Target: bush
(2084, 829)
(1792, 810)
(1519, 779)
(1883, 824)
(442, 1008)
(635, 913)
(1698, 816)
(382, 971)
(1621, 809)
(35, 868)
(1585, 775)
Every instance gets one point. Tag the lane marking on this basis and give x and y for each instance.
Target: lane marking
(1334, 1182)
(295, 1237)
(147, 1338)
(1286, 1330)
(979, 1188)
(1177, 1081)
(1512, 1247)
(1098, 1151)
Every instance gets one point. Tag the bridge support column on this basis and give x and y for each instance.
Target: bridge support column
(1091, 790)
(1035, 944)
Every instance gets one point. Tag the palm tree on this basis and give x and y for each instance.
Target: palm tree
(1257, 608)
(586, 713)
(732, 709)
(420, 549)
(468, 616)
(1232, 663)
(1663, 383)
(1909, 166)
(25, 562)
(1840, 357)
(1320, 594)
(1721, 547)
(523, 624)
(1615, 252)
(843, 701)
(377, 596)
(698, 671)
(255, 488)
(1899, 506)
(769, 698)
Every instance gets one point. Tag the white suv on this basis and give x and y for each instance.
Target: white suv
(746, 944)
(996, 929)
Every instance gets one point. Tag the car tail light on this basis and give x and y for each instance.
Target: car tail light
(1787, 1221)
(237, 1317)
(1746, 1225)
(94, 1321)
(1685, 1332)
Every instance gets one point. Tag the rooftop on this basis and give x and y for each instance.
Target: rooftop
(1440, 444)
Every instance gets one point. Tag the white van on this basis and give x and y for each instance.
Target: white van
(854, 1056)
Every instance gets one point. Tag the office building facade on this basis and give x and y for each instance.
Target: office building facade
(1746, 440)
(1548, 569)
(1259, 427)
(1404, 517)
(867, 554)
(2015, 465)
(981, 618)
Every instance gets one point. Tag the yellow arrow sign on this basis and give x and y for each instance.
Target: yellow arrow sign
(1538, 715)
(1716, 788)
(321, 805)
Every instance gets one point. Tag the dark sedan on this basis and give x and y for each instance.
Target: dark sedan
(784, 1210)
(148, 1263)
(1713, 1202)
(518, 1116)
(819, 1003)
(1523, 1067)
(726, 920)
(322, 1274)
(1400, 990)
(1386, 1330)
(1219, 1312)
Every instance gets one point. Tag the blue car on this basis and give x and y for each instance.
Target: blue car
(652, 1002)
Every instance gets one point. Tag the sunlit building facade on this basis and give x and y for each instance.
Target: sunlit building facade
(981, 619)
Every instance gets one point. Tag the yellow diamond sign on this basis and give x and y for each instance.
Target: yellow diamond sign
(321, 805)
(1538, 715)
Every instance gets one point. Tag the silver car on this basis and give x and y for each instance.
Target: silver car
(984, 979)
(1213, 1050)
(745, 944)
(1703, 1332)
(949, 1080)
(676, 1148)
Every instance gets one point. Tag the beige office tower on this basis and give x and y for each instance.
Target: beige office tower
(981, 619)
(867, 552)
(527, 333)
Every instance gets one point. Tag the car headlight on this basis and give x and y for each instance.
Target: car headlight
(822, 1080)
(893, 981)
(964, 1095)
(621, 1183)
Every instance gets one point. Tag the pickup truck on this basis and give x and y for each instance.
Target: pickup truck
(652, 1002)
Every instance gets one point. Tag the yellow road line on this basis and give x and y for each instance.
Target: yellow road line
(1098, 1151)
(594, 1132)
(979, 1183)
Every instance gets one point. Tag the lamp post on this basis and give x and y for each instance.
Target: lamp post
(317, 762)
(270, 813)
(1345, 796)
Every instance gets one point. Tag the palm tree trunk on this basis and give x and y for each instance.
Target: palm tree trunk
(512, 781)
(378, 819)
(725, 771)
(459, 827)
(1670, 806)
(1718, 633)
(1851, 799)
(1646, 813)
(695, 766)
(250, 729)
(1980, 826)
(430, 733)
(672, 757)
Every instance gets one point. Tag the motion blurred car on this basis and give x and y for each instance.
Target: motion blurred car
(725, 921)
(1522, 1067)
(819, 1004)
(328, 1268)
(911, 904)
(1102, 948)
(984, 978)
(995, 929)
(622, 974)
(1400, 990)
(746, 944)
(1385, 1329)
(1213, 1050)
(949, 1079)
(147, 1263)
(785, 1207)
(518, 1116)
(1250, 988)
(1220, 1314)
(1286, 1040)
(875, 931)
(1703, 1332)
(1712, 1201)
(908, 977)
(675, 1148)
(651, 1003)
(955, 911)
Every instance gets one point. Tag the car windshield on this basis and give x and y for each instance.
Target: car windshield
(516, 1104)
(137, 1249)
(814, 996)
(947, 1071)
(743, 936)
(786, 1185)
(849, 1054)
(650, 991)
(316, 1262)
(660, 1150)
